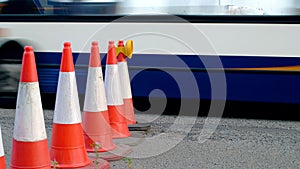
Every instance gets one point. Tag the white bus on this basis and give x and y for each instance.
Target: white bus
(245, 51)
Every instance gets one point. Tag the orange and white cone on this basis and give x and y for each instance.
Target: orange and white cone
(95, 119)
(125, 86)
(114, 95)
(124, 51)
(30, 145)
(2, 157)
(67, 146)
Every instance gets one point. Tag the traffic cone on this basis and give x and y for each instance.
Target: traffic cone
(30, 145)
(125, 85)
(123, 52)
(114, 96)
(95, 120)
(67, 145)
(2, 158)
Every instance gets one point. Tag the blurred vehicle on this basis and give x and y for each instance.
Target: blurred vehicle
(10, 65)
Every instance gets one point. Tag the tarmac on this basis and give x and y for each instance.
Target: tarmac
(177, 142)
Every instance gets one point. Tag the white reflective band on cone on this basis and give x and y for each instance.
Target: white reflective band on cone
(29, 119)
(95, 98)
(124, 80)
(112, 86)
(1, 144)
(67, 109)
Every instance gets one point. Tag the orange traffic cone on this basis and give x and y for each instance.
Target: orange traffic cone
(125, 85)
(2, 158)
(114, 96)
(67, 146)
(30, 145)
(95, 120)
(124, 51)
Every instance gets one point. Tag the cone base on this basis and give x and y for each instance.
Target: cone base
(118, 122)
(105, 143)
(2, 162)
(118, 153)
(30, 155)
(129, 111)
(103, 164)
(139, 127)
(97, 129)
(67, 146)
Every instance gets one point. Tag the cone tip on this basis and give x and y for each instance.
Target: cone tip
(111, 43)
(111, 54)
(121, 56)
(67, 44)
(28, 71)
(67, 59)
(28, 48)
(121, 42)
(94, 43)
(94, 55)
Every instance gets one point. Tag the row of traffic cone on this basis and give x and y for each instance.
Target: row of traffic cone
(103, 116)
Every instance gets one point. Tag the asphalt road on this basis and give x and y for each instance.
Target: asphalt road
(190, 142)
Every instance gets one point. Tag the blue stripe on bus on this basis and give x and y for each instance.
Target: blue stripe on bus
(177, 61)
(149, 72)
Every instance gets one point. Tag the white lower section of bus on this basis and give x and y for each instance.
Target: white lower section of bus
(163, 38)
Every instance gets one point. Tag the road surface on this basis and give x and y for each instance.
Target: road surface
(188, 142)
